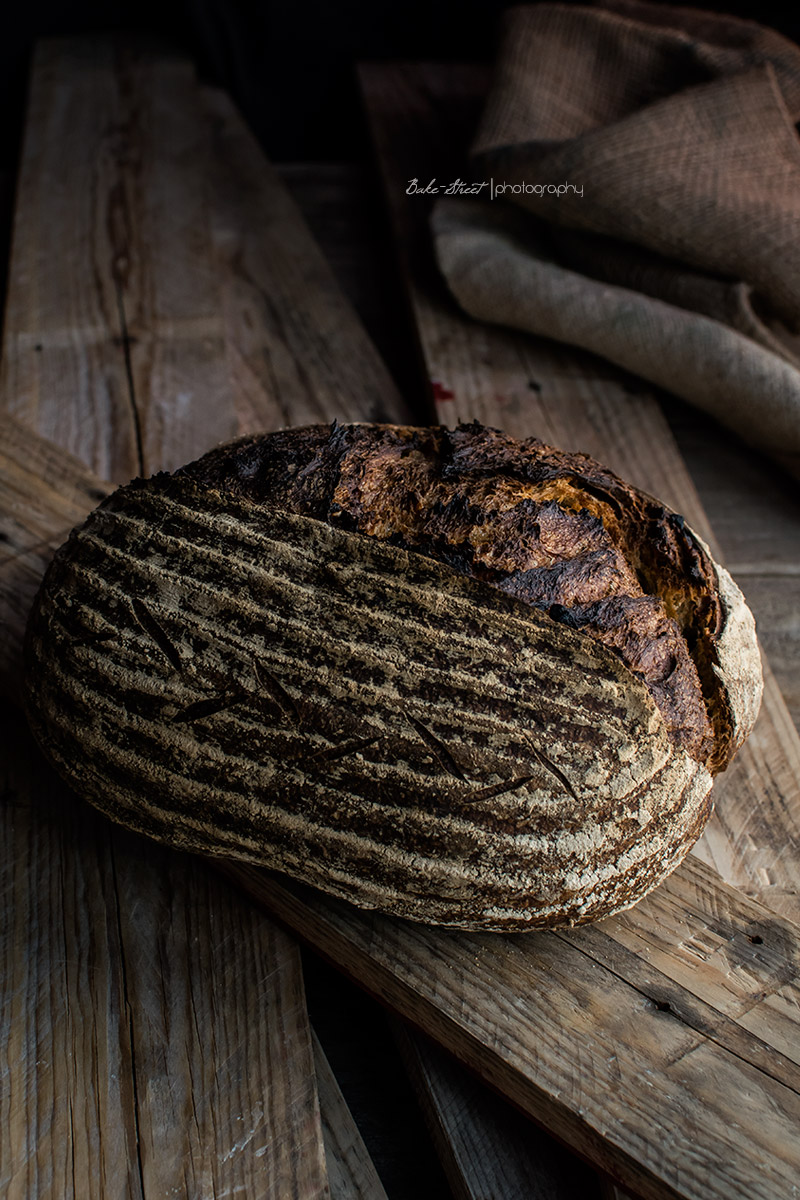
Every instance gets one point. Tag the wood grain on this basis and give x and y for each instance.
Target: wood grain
(185, 301)
(154, 1033)
(112, 296)
(296, 352)
(421, 119)
(44, 492)
(351, 1172)
(488, 1148)
(775, 603)
(651, 1083)
(342, 204)
(754, 508)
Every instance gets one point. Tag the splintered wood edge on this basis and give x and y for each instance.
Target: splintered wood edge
(486, 1148)
(351, 1171)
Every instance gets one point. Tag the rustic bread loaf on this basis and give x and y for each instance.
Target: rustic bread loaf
(443, 673)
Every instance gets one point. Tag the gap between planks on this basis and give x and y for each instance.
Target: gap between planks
(585, 1048)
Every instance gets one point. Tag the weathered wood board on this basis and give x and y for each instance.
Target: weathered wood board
(113, 298)
(153, 1033)
(755, 513)
(296, 353)
(678, 1078)
(160, 276)
(486, 1146)
(157, 1038)
(351, 1171)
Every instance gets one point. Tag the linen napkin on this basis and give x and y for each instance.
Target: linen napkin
(651, 209)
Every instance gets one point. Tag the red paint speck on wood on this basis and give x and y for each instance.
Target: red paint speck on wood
(440, 392)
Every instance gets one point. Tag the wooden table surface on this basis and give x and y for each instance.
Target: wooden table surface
(156, 1036)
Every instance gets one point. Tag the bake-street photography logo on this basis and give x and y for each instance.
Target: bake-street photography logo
(490, 188)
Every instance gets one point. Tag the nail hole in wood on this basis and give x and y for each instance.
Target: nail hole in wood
(756, 939)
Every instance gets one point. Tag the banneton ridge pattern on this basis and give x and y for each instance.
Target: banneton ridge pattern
(445, 673)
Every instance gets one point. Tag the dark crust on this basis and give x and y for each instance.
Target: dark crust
(555, 530)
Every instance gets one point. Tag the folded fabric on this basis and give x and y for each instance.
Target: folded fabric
(676, 128)
(501, 270)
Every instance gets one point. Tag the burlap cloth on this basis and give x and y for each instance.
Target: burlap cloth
(681, 260)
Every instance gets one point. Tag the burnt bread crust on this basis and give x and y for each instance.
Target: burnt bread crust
(212, 661)
(555, 530)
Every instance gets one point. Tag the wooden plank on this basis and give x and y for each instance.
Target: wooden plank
(43, 493)
(297, 353)
(754, 509)
(635, 1071)
(112, 296)
(775, 602)
(756, 518)
(189, 303)
(160, 276)
(153, 1027)
(52, 235)
(154, 1033)
(213, 1083)
(351, 1172)
(486, 1146)
(342, 205)
(421, 117)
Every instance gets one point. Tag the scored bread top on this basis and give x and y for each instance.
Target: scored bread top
(555, 530)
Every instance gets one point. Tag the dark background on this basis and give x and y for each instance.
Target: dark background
(288, 63)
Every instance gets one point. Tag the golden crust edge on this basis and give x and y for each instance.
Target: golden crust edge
(740, 668)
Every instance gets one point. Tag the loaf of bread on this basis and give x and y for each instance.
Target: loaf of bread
(446, 674)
